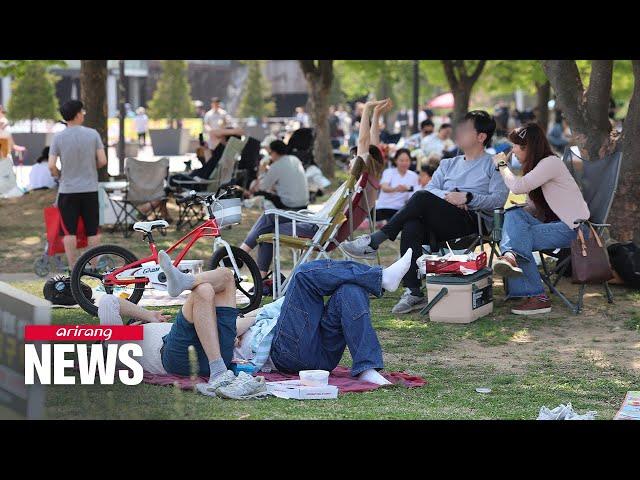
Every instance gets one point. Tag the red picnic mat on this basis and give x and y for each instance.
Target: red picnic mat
(340, 377)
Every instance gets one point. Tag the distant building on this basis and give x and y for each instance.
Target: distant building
(208, 78)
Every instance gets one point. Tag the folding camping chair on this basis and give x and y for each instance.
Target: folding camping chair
(224, 172)
(598, 181)
(145, 187)
(345, 209)
(247, 170)
(328, 220)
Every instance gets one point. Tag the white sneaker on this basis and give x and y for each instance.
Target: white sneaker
(244, 387)
(209, 388)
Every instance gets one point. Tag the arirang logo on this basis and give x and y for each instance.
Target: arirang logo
(48, 363)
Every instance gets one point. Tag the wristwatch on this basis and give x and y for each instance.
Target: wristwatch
(469, 197)
(501, 164)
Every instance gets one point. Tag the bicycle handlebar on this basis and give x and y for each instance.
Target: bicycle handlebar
(205, 198)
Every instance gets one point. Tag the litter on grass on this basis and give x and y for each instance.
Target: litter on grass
(565, 412)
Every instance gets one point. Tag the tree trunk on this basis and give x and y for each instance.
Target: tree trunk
(461, 83)
(543, 94)
(625, 212)
(585, 110)
(319, 79)
(461, 97)
(93, 89)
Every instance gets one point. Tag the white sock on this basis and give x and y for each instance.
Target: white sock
(392, 275)
(372, 376)
(109, 311)
(177, 281)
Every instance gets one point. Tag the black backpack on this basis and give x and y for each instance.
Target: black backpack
(625, 260)
(58, 290)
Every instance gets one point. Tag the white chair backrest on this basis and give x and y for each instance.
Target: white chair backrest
(229, 159)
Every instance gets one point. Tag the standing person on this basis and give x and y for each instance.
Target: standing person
(554, 203)
(397, 185)
(302, 117)
(460, 186)
(142, 125)
(81, 153)
(4, 130)
(218, 123)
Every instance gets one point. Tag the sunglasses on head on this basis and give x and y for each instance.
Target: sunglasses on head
(522, 132)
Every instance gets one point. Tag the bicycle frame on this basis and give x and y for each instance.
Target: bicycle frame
(208, 229)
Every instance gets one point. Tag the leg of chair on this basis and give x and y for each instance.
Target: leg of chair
(560, 269)
(608, 291)
(580, 298)
(554, 290)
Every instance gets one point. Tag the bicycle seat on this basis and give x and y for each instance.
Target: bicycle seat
(148, 226)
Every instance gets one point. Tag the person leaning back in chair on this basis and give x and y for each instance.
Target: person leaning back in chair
(554, 203)
(446, 209)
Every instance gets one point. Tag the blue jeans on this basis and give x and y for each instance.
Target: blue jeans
(267, 224)
(310, 335)
(522, 234)
(175, 349)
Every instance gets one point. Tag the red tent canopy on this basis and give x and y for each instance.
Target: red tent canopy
(442, 101)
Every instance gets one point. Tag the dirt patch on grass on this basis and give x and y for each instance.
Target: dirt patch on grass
(598, 336)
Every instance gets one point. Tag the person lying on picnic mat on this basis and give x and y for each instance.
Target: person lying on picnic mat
(298, 331)
(460, 186)
(369, 138)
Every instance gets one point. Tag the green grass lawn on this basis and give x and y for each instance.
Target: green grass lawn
(590, 360)
(516, 357)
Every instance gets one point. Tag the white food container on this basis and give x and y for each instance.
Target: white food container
(314, 378)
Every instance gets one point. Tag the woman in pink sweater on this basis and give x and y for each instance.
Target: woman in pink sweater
(554, 203)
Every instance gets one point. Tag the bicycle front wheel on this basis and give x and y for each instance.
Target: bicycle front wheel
(248, 284)
(91, 268)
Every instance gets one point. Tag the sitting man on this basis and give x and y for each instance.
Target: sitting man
(284, 183)
(305, 335)
(445, 209)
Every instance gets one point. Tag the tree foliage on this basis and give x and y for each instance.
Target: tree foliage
(33, 94)
(172, 97)
(256, 100)
(17, 68)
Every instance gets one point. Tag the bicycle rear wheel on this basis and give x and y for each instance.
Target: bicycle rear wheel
(91, 268)
(249, 284)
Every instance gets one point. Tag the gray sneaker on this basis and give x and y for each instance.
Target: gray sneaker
(409, 303)
(244, 387)
(359, 248)
(209, 388)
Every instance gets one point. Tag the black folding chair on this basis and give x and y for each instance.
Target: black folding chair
(598, 181)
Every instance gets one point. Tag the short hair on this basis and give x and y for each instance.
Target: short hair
(215, 99)
(400, 151)
(70, 109)
(428, 169)
(445, 125)
(278, 146)
(426, 123)
(482, 123)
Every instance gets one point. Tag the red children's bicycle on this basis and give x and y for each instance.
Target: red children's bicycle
(111, 269)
